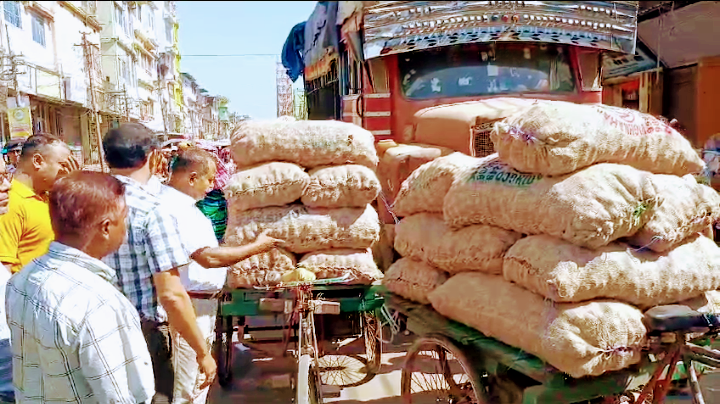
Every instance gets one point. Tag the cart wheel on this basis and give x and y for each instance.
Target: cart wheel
(436, 370)
(223, 349)
(372, 335)
(308, 383)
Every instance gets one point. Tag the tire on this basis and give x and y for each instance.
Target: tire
(372, 336)
(224, 349)
(471, 390)
(307, 388)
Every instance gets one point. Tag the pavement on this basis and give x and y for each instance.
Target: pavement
(262, 376)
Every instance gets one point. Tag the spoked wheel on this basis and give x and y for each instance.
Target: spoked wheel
(308, 386)
(223, 349)
(437, 371)
(372, 335)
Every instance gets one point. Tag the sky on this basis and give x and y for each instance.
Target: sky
(238, 27)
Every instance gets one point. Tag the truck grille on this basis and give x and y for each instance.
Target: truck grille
(482, 145)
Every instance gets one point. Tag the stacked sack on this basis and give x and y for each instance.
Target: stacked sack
(309, 183)
(611, 224)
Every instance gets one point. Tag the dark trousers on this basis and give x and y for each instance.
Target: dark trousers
(157, 336)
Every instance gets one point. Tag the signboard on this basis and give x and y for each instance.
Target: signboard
(223, 114)
(20, 122)
(625, 65)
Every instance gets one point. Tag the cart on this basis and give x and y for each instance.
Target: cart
(451, 362)
(315, 318)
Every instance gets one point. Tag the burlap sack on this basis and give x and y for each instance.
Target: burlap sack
(591, 207)
(270, 184)
(586, 339)
(426, 237)
(556, 138)
(424, 190)
(684, 208)
(357, 266)
(307, 143)
(341, 186)
(413, 279)
(308, 229)
(564, 272)
(264, 269)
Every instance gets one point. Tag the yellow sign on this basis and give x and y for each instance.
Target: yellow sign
(20, 122)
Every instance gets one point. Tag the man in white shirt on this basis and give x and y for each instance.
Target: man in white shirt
(75, 337)
(192, 175)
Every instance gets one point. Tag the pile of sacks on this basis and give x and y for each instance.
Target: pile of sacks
(309, 183)
(586, 217)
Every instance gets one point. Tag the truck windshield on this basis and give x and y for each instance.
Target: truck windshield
(485, 69)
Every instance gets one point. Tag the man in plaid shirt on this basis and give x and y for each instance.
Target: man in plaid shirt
(148, 261)
(75, 338)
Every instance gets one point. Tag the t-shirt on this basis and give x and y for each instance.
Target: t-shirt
(25, 230)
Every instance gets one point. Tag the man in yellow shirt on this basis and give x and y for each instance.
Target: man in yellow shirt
(26, 231)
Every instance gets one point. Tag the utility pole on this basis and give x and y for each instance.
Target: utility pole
(88, 50)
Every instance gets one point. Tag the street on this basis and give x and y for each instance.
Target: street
(264, 378)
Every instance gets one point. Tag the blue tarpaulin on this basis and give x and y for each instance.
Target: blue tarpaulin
(292, 53)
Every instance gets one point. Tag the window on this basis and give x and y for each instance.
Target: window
(139, 12)
(169, 31)
(38, 29)
(123, 70)
(481, 69)
(119, 16)
(12, 12)
(151, 21)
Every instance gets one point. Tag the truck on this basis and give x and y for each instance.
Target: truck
(431, 77)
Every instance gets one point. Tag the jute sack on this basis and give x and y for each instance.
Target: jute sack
(356, 266)
(341, 186)
(424, 190)
(585, 339)
(684, 208)
(271, 184)
(307, 143)
(426, 237)
(413, 280)
(264, 269)
(591, 207)
(556, 138)
(308, 229)
(564, 272)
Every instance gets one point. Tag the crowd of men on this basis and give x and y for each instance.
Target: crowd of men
(111, 281)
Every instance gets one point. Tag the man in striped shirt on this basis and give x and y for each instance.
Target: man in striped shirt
(75, 338)
(148, 261)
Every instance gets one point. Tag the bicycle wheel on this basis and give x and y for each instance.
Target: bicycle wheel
(307, 388)
(437, 371)
(372, 336)
(223, 349)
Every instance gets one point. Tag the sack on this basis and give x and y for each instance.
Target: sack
(307, 143)
(684, 208)
(341, 186)
(424, 190)
(564, 272)
(271, 184)
(264, 269)
(356, 266)
(426, 237)
(581, 339)
(556, 138)
(591, 207)
(308, 229)
(413, 280)
(400, 161)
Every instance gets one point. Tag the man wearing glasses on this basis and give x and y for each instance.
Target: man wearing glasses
(25, 231)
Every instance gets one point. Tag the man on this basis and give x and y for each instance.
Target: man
(75, 337)
(191, 176)
(148, 261)
(214, 205)
(12, 150)
(7, 394)
(25, 231)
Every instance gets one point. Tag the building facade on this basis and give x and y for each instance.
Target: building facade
(82, 67)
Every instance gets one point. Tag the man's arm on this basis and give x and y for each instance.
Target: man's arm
(218, 257)
(11, 229)
(167, 254)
